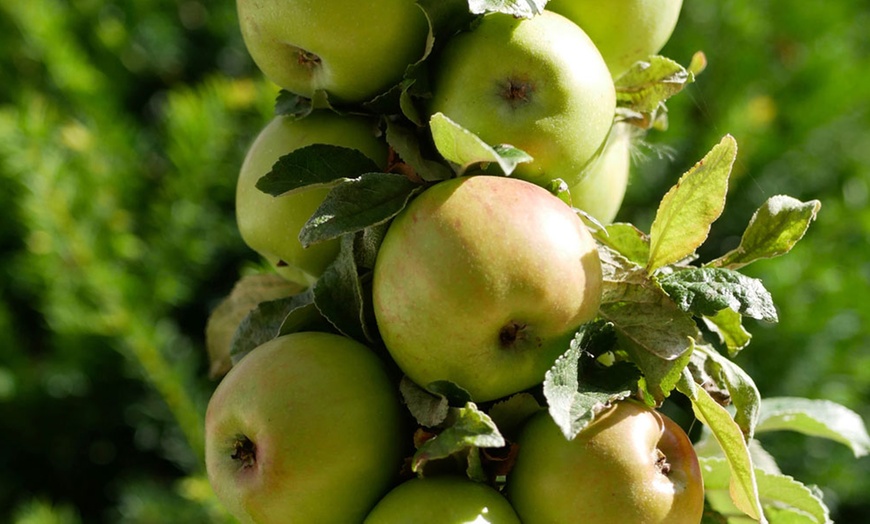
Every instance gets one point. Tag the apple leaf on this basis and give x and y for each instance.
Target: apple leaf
(817, 418)
(743, 488)
(511, 413)
(706, 291)
(464, 149)
(577, 388)
(627, 240)
(660, 376)
(264, 322)
(406, 143)
(291, 104)
(314, 165)
(773, 230)
(642, 90)
(727, 324)
(357, 203)
(428, 409)
(466, 427)
(784, 499)
(338, 294)
(687, 210)
(728, 384)
(455, 394)
(640, 311)
(224, 320)
(516, 8)
(366, 244)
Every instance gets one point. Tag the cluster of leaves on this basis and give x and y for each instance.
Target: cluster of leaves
(662, 315)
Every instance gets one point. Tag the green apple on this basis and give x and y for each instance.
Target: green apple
(538, 84)
(602, 188)
(350, 49)
(625, 31)
(633, 464)
(305, 428)
(443, 499)
(270, 225)
(482, 281)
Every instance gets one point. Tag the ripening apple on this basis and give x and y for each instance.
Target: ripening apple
(445, 499)
(270, 225)
(625, 31)
(537, 84)
(305, 428)
(633, 464)
(352, 50)
(482, 281)
(602, 188)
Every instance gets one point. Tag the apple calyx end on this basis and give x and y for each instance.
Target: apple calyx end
(517, 92)
(244, 451)
(307, 59)
(662, 464)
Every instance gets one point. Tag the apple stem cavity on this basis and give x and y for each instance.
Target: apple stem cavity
(244, 451)
(510, 333)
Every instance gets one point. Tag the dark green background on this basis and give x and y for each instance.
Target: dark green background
(122, 126)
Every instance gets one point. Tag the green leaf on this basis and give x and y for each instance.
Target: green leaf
(686, 212)
(406, 142)
(743, 487)
(264, 322)
(573, 403)
(223, 322)
(465, 149)
(642, 90)
(773, 231)
(817, 418)
(728, 383)
(517, 8)
(428, 409)
(706, 291)
(627, 240)
(660, 376)
(640, 311)
(511, 413)
(356, 204)
(314, 165)
(727, 324)
(294, 105)
(468, 428)
(338, 294)
(784, 499)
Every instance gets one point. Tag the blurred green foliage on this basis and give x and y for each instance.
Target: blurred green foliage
(122, 126)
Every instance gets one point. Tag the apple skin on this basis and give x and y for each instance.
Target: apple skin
(320, 421)
(483, 281)
(625, 31)
(270, 225)
(538, 84)
(609, 472)
(602, 188)
(445, 499)
(352, 49)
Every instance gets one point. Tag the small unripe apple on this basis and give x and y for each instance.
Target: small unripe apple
(305, 428)
(352, 50)
(625, 31)
(443, 499)
(603, 186)
(270, 225)
(632, 464)
(537, 84)
(483, 281)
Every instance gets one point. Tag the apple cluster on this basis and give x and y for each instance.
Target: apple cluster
(424, 196)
